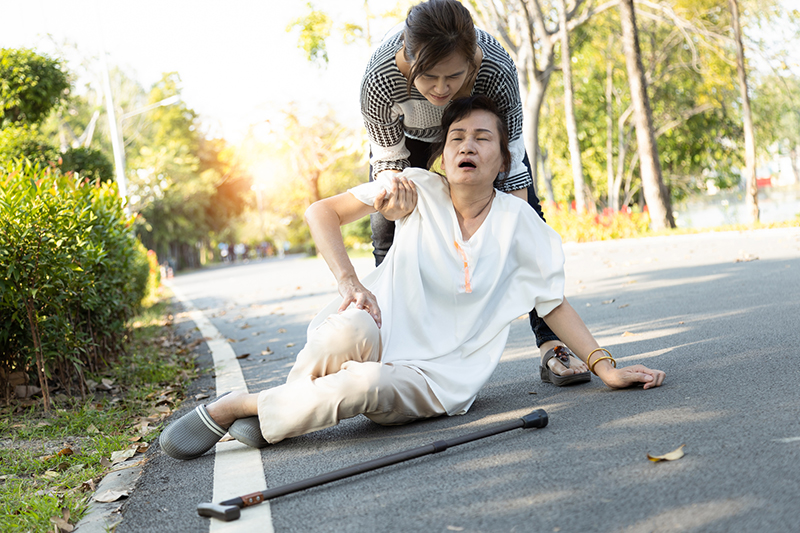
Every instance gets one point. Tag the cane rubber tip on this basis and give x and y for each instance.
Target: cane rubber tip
(536, 419)
(226, 513)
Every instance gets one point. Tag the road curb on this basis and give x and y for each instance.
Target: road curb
(102, 517)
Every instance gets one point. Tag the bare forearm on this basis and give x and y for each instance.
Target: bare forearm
(565, 322)
(324, 224)
(521, 193)
(570, 328)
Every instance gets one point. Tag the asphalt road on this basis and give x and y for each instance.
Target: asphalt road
(718, 312)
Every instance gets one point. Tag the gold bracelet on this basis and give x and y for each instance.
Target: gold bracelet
(609, 357)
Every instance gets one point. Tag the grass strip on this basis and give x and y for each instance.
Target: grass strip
(50, 464)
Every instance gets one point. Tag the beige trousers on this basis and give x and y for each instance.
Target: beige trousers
(338, 375)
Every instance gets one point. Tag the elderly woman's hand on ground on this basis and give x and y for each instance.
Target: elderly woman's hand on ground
(620, 378)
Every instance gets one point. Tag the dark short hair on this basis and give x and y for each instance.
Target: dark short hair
(434, 31)
(460, 109)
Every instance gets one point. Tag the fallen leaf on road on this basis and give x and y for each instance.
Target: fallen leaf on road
(629, 334)
(199, 397)
(268, 351)
(671, 456)
(282, 330)
(623, 306)
(611, 301)
(289, 345)
(243, 356)
(231, 340)
(111, 496)
(246, 326)
(194, 344)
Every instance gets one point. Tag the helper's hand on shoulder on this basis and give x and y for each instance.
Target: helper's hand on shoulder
(399, 201)
(620, 378)
(353, 292)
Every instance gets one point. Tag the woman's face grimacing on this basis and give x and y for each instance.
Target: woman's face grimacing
(472, 152)
(441, 83)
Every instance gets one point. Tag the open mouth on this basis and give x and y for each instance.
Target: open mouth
(466, 164)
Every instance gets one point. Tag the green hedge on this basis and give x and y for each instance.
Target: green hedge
(72, 274)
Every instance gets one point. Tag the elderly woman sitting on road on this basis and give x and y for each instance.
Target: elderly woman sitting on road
(421, 334)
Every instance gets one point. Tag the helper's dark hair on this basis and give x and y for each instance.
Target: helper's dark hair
(435, 30)
(460, 109)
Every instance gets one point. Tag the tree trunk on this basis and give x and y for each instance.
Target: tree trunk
(751, 195)
(613, 191)
(655, 192)
(569, 112)
(547, 177)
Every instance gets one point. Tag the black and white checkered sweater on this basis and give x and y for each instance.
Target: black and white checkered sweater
(391, 114)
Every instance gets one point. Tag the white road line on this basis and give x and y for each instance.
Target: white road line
(789, 439)
(238, 469)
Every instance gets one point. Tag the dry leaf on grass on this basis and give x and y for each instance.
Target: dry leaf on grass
(122, 455)
(671, 456)
(62, 522)
(63, 453)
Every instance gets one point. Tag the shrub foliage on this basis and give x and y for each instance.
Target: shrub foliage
(584, 227)
(72, 274)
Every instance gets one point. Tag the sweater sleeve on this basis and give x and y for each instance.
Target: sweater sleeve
(382, 121)
(499, 81)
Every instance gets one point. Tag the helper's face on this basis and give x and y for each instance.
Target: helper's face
(441, 83)
(472, 150)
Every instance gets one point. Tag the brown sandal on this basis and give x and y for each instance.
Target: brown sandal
(562, 353)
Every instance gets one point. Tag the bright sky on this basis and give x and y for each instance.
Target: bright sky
(238, 65)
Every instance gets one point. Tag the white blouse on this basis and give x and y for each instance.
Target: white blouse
(447, 303)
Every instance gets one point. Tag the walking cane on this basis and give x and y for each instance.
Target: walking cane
(230, 510)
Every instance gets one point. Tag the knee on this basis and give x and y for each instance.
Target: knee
(370, 376)
(358, 326)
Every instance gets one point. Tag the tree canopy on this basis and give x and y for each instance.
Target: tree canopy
(31, 85)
